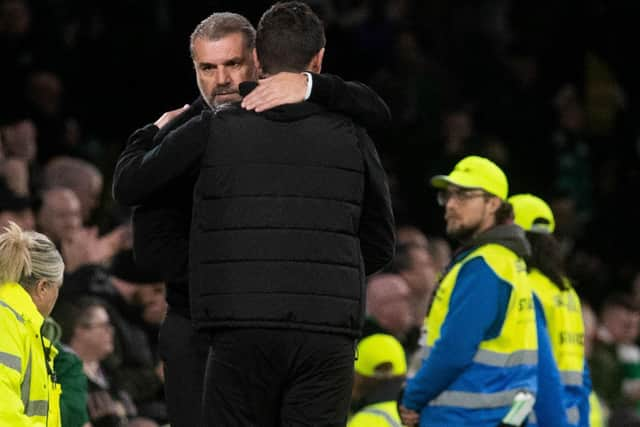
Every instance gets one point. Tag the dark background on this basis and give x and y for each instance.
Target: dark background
(547, 89)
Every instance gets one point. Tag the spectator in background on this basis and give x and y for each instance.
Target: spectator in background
(78, 175)
(591, 327)
(18, 48)
(572, 166)
(15, 172)
(388, 306)
(134, 362)
(635, 288)
(31, 272)
(411, 235)
(414, 264)
(57, 130)
(380, 371)
(73, 382)
(152, 297)
(88, 331)
(440, 251)
(59, 216)
(598, 412)
(615, 360)
(18, 139)
(15, 208)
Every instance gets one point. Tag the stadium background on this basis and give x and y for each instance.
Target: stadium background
(547, 89)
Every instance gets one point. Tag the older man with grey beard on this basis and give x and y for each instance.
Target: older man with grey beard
(221, 52)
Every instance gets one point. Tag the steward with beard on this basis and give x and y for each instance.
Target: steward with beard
(481, 336)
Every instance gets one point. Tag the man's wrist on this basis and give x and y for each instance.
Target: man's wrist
(309, 85)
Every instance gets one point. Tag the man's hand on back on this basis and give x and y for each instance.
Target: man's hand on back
(279, 89)
(170, 115)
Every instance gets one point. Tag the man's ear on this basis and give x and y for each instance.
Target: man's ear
(40, 289)
(315, 65)
(256, 61)
(494, 204)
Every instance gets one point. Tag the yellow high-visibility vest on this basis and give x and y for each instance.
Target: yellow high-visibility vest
(486, 382)
(383, 414)
(563, 314)
(30, 395)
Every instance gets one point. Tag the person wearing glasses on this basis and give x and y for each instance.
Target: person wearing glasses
(87, 331)
(31, 271)
(481, 352)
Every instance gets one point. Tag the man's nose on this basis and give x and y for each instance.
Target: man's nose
(222, 76)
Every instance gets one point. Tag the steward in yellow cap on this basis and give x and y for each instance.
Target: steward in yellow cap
(560, 303)
(380, 370)
(482, 346)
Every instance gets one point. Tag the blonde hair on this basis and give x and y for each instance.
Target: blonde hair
(28, 256)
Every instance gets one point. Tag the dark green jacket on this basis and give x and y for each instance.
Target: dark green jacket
(73, 402)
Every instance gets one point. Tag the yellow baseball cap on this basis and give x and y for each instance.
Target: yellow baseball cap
(532, 213)
(475, 172)
(377, 349)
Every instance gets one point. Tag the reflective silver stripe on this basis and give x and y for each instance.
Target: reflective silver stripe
(504, 360)
(380, 412)
(571, 378)
(25, 387)
(573, 415)
(15, 313)
(426, 351)
(11, 361)
(469, 400)
(37, 408)
(501, 360)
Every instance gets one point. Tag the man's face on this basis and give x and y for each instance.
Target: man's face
(60, 215)
(421, 277)
(96, 333)
(467, 212)
(221, 65)
(152, 297)
(622, 323)
(395, 315)
(20, 140)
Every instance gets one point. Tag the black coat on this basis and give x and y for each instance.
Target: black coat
(285, 244)
(161, 225)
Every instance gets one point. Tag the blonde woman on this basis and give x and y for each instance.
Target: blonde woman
(31, 271)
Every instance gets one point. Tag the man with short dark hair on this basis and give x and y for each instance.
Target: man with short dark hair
(291, 211)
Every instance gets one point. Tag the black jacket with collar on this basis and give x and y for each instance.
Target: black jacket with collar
(291, 212)
(161, 224)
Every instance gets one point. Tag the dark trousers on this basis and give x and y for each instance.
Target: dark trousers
(278, 377)
(184, 352)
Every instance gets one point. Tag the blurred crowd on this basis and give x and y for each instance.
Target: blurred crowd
(545, 89)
